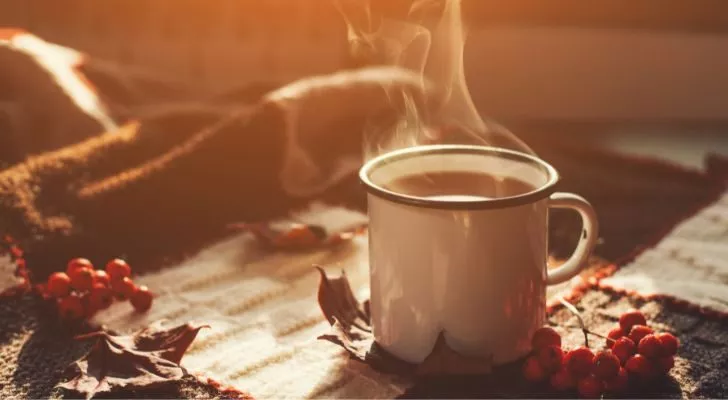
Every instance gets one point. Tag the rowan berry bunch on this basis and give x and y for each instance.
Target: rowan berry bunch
(633, 352)
(82, 291)
(644, 353)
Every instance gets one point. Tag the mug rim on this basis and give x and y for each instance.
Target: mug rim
(537, 194)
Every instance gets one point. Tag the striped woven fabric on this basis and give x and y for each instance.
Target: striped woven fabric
(690, 264)
(263, 315)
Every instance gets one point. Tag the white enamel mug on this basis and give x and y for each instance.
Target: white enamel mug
(473, 270)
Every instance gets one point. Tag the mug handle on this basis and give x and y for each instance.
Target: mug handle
(587, 239)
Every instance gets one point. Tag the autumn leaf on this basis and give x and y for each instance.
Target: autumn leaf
(148, 357)
(351, 329)
(338, 303)
(350, 325)
(295, 236)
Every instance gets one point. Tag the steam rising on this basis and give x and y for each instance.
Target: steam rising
(429, 40)
(411, 91)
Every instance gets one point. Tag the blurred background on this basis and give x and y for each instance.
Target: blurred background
(642, 76)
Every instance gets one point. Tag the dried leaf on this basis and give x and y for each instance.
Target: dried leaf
(350, 325)
(351, 329)
(295, 236)
(148, 357)
(355, 341)
(338, 303)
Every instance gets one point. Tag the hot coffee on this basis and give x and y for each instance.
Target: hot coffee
(459, 186)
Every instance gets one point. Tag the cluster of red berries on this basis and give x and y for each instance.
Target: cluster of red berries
(642, 352)
(82, 291)
(633, 352)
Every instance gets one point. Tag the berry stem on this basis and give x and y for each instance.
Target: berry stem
(599, 335)
(576, 313)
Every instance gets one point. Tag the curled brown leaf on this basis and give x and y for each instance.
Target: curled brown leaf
(148, 357)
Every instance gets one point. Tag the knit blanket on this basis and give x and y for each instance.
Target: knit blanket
(154, 173)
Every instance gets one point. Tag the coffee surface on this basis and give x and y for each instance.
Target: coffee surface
(458, 186)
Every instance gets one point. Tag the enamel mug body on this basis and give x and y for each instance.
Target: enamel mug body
(474, 271)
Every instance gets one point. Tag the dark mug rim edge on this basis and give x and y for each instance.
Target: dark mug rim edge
(533, 196)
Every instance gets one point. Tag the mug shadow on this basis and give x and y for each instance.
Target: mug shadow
(504, 382)
(46, 346)
(507, 382)
(700, 365)
(12, 317)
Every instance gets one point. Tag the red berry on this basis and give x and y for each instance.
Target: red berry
(562, 380)
(579, 362)
(638, 332)
(545, 336)
(101, 296)
(624, 348)
(16, 251)
(78, 263)
(123, 288)
(59, 284)
(650, 346)
(118, 269)
(533, 371)
(100, 276)
(664, 364)
(550, 358)
(630, 319)
(619, 383)
(82, 278)
(70, 307)
(614, 334)
(640, 366)
(141, 300)
(606, 365)
(589, 387)
(669, 343)
(42, 288)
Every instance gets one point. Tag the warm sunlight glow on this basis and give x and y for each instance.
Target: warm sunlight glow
(60, 63)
